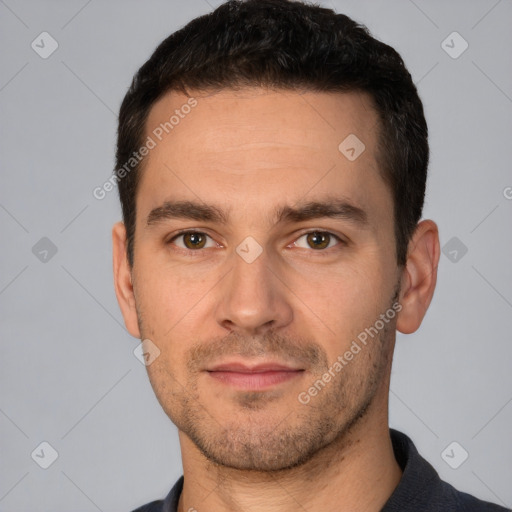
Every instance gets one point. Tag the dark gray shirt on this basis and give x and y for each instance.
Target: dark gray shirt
(419, 490)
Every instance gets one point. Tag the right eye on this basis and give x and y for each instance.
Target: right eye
(192, 240)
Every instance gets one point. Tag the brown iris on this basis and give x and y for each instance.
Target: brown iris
(194, 240)
(318, 240)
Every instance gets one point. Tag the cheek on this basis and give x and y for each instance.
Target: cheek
(348, 292)
(167, 384)
(165, 292)
(343, 303)
(171, 305)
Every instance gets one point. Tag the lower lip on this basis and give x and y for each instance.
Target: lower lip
(257, 380)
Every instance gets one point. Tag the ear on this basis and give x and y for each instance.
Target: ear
(419, 276)
(123, 280)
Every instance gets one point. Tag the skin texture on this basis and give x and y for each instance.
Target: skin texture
(247, 153)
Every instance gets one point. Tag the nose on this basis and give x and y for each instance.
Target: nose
(252, 298)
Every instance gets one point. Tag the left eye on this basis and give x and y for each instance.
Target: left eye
(317, 240)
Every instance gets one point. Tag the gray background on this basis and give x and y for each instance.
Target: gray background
(67, 369)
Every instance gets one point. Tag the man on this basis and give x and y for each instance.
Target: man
(271, 162)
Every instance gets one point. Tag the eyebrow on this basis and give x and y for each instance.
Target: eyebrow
(334, 208)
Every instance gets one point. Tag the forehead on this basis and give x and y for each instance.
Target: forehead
(254, 143)
(251, 117)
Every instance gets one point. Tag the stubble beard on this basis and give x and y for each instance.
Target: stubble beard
(289, 438)
(252, 439)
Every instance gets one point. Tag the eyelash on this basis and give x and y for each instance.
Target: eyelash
(197, 252)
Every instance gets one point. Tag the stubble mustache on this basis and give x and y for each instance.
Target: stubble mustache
(297, 352)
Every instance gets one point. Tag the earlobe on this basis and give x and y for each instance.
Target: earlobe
(419, 276)
(123, 280)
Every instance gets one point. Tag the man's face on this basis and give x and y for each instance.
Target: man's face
(256, 306)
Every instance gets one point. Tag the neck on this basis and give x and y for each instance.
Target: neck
(357, 472)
